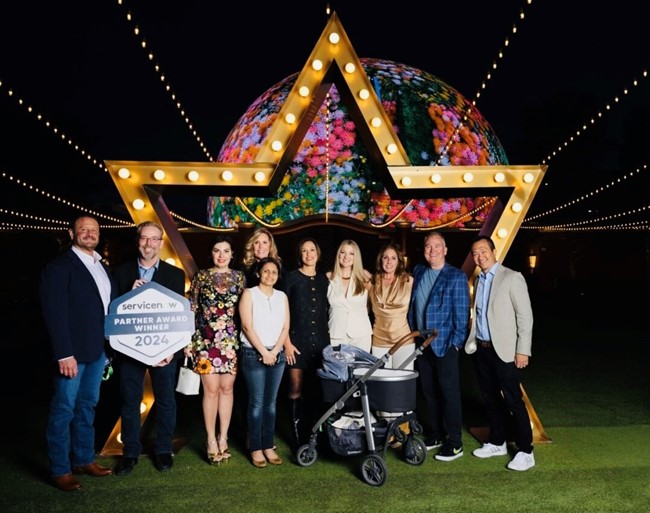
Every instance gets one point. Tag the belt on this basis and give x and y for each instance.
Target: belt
(485, 344)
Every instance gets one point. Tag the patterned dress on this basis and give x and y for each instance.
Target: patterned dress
(214, 297)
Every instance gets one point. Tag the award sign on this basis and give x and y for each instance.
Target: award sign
(149, 323)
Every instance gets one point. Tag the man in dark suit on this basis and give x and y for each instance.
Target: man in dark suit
(130, 275)
(75, 291)
(440, 301)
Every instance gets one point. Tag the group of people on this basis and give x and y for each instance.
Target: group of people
(270, 323)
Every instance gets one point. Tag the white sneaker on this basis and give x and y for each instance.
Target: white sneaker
(488, 450)
(522, 461)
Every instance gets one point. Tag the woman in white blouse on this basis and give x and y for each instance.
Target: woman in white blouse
(264, 313)
(347, 294)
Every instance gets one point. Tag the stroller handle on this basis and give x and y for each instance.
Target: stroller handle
(428, 335)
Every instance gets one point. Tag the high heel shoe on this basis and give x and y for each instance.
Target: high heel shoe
(225, 452)
(214, 454)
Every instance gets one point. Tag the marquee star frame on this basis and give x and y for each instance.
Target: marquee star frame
(333, 61)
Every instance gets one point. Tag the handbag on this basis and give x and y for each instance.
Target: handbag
(189, 382)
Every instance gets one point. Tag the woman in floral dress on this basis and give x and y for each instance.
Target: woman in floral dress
(214, 295)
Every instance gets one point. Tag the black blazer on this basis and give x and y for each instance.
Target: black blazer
(166, 275)
(72, 308)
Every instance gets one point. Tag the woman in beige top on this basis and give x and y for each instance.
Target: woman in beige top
(390, 294)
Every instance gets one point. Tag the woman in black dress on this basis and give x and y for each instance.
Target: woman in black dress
(306, 288)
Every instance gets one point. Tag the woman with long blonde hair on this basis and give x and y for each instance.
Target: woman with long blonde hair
(260, 244)
(347, 294)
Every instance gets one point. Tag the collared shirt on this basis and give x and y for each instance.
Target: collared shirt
(483, 289)
(96, 269)
(146, 273)
(427, 281)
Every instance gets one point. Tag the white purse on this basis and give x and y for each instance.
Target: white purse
(189, 382)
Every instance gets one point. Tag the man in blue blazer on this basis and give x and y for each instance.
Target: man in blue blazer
(440, 301)
(130, 275)
(75, 291)
(501, 340)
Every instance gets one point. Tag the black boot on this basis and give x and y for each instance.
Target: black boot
(296, 417)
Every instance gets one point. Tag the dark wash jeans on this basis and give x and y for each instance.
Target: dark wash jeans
(263, 383)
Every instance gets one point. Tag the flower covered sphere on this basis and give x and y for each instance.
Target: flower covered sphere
(331, 172)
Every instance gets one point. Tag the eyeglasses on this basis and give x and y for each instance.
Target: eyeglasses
(155, 240)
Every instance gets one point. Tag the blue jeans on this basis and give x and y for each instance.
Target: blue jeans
(70, 432)
(263, 383)
(163, 383)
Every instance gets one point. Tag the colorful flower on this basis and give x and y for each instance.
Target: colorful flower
(331, 171)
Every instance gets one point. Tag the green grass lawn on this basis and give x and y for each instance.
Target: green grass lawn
(587, 382)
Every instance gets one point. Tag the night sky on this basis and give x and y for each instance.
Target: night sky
(80, 64)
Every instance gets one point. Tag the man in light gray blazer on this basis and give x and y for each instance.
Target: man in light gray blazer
(500, 340)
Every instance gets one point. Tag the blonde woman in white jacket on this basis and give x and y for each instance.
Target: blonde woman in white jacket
(347, 295)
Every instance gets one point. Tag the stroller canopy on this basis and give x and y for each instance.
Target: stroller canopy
(339, 361)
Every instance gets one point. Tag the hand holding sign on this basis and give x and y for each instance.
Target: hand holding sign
(149, 323)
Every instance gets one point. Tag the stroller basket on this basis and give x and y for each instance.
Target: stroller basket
(349, 438)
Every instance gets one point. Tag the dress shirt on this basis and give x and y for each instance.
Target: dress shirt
(96, 269)
(146, 273)
(483, 289)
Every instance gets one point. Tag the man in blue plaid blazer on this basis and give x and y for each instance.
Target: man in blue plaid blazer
(440, 301)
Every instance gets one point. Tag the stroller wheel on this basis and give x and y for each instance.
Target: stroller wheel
(374, 470)
(415, 451)
(306, 455)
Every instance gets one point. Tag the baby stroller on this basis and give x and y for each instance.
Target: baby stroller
(351, 379)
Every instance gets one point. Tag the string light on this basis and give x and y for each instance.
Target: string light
(63, 201)
(14, 226)
(165, 82)
(202, 226)
(592, 121)
(55, 130)
(634, 226)
(591, 194)
(468, 110)
(452, 139)
(328, 129)
(257, 218)
(29, 216)
(596, 220)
